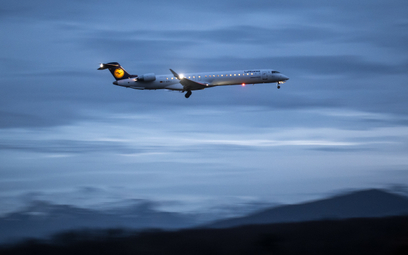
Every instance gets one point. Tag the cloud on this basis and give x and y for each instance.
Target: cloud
(66, 146)
(243, 34)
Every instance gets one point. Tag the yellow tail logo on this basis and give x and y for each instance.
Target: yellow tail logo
(119, 73)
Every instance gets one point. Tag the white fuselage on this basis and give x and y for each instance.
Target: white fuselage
(209, 79)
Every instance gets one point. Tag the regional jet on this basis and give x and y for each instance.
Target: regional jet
(192, 81)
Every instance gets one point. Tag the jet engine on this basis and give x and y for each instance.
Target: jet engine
(147, 77)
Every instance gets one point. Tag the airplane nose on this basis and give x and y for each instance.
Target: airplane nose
(284, 77)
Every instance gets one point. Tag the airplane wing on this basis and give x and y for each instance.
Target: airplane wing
(175, 74)
(193, 85)
(190, 84)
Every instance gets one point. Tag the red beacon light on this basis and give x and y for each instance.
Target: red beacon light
(243, 84)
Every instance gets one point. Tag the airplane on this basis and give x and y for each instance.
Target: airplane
(192, 81)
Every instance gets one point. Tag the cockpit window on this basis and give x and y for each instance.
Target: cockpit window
(275, 72)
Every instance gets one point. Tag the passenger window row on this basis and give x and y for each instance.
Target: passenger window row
(218, 75)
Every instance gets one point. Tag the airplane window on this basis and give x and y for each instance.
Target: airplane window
(213, 75)
(252, 73)
(218, 75)
(247, 73)
(199, 76)
(275, 72)
(194, 77)
(239, 74)
(222, 75)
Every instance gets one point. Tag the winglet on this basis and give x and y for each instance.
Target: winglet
(175, 74)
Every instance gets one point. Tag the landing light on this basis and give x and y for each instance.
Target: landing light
(181, 76)
(243, 84)
(101, 65)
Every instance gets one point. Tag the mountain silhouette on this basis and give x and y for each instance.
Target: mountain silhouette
(364, 204)
(41, 219)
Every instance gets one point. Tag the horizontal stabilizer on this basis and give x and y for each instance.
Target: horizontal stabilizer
(108, 65)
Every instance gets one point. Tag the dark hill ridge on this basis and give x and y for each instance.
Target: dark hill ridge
(360, 204)
(43, 218)
(371, 236)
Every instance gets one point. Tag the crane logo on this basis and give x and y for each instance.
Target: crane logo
(119, 73)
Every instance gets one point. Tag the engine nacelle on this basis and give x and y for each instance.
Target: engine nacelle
(147, 77)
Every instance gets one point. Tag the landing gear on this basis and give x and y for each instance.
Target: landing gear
(188, 94)
(278, 85)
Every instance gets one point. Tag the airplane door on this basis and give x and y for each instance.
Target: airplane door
(264, 75)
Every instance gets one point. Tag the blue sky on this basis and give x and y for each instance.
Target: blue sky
(69, 136)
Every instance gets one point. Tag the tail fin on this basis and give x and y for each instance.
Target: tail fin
(116, 70)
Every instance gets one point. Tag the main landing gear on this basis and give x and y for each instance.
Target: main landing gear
(188, 94)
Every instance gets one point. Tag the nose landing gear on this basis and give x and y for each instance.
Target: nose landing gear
(278, 85)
